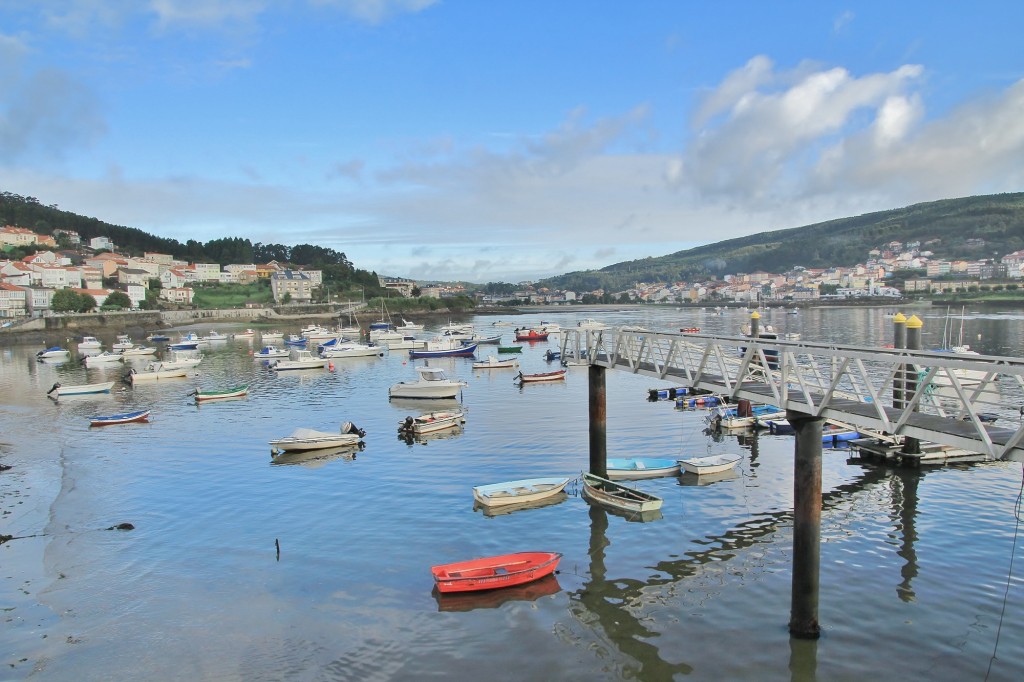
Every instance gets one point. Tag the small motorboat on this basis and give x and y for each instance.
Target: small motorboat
(236, 392)
(493, 362)
(89, 343)
(519, 492)
(188, 341)
(310, 439)
(430, 422)
(432, 383)
(123, 342)
(270, 351)
(618, 496)
(298, 359)
(557, 375)
(507, 350)
(531, 335)
(123, 418)
(53, 353)
(710, 464)
(104, 358)
(351, 349)
(138, 351)
(634, 468)
(158, 338)
(247, 334)
(58, 390)
(155, 371)
(488, 573)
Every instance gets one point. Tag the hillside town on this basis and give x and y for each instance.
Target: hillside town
(97, 269)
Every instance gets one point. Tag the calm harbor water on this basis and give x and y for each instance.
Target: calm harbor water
(241, 568)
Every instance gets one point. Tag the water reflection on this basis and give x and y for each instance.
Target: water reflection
(492, 599)
(316, 458)
(504, 509)
(707, 479)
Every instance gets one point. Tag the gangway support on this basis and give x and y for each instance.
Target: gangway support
(598, 421)
(803, 620)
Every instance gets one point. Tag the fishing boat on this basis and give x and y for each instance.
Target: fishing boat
(298, 359)
(350, 349)
(618, 496)
(634, 468)
(123, 418)
(53, 353)
(444, 347)
(709, 464)
(488, 573)
(270, 351)
(557, 375)
(509, 350)
(89, 343)
(430, 422)
(302, 439)
(58, 389)
(123, 342)
(519, 492)
(494, 362)
(408, 326)
(155, 371)
(138, 351)
(432, 383)
(104, 358)
(189, 341)
(236, 392)
(531, 335)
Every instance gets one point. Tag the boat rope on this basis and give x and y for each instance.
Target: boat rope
(1009, 574)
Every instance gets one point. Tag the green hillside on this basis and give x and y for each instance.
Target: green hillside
(970, 227)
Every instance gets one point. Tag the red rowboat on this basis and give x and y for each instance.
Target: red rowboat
(488, 573)
(557, 375)
(531, 335)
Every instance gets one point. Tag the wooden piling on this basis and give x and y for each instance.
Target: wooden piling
(899, 336)
(803, 621)
(598, 421)
(912, 446)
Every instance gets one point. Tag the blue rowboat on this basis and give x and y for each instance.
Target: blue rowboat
(640, 467)
(123, 418)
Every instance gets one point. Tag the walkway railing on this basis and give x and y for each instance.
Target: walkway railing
(941, 397)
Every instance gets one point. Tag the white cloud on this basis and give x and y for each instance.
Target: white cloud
(376, 11)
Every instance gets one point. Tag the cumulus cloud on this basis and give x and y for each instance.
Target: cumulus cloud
(376, 11)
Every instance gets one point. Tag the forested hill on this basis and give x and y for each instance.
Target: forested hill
(29, 213)
(967, 228)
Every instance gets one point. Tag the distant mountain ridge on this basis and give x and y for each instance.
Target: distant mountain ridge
(996, 219)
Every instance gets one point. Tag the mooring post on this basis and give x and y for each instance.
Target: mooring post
(912, 446)
(899, 340)
(803, 619)
(598, 422)
(755, 324)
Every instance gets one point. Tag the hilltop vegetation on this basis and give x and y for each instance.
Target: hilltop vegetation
(971, 227)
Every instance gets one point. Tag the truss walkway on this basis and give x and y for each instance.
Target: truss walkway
(941, 397)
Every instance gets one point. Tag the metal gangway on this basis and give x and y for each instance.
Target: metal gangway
(941, 397)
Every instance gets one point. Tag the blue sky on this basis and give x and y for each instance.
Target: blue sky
(493, 140)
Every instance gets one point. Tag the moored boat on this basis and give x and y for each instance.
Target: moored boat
(89, 343)
(189, 341)
(58, 389)
(617, 495)
(432, 383)
(104, 358)
(155, 371)
(53, 353)
(531, 335)
(557, 375)
(494, 362)
(235, 392)
(430, 422)
(122, 418)
(350, 349)
(302, 439)
(634, 468)
(270, 351)
(137, 351)
(488, 573)
(519, 492)
(298, 359)
(709, 464)
(508, 350)
(444, 346)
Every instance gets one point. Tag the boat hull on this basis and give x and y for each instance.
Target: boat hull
(123, 418)
(489, 573)
(431, 422)
(617, 496)
(81, 389)
(237, 392)
(542, 377)
(712, 464)
(518, 492)
(639, 468)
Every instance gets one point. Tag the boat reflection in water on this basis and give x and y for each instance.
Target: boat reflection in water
(557, 498)
(706, 479)
(317, 458)
(492, 599)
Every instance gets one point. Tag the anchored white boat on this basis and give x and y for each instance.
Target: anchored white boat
(270, 352)
(618, 496)
(58, 390)
(494, 362)
(710, 464)
(155, 371)
(311, 439)
(634, 468)
(432, 383)
(104, 358)
(519, 492)
(298, 359)
(89, 343)
(353, 350)
(430, 422)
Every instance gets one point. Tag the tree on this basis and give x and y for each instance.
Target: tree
(86, 303)
(118, 299)
(65, 301)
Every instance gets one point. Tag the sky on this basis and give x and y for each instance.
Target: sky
(504, 140)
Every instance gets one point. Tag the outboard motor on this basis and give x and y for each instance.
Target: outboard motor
(349, 427)
(53, 388)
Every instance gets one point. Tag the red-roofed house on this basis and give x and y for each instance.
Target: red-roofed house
(12, 300)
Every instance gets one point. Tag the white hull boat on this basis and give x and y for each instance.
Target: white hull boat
(618, 496)
(298, 359)
(493, 362)
(353, 350)
(433, 383)
(89, 343)
(58, 390)
(430, 422)
(154, 372)
(711, 464)
(303, 439)
(271, 352)
(518, 492)
(104, 358)
(635, 468)
(138, 351)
